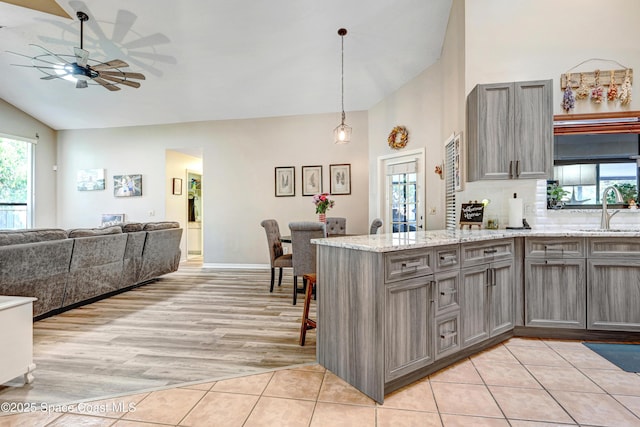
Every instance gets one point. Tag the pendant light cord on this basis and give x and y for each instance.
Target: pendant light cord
(342, 33)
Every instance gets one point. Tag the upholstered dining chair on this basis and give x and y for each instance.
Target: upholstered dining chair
(304, 253)
(276, 254)
(375, 224)
(336, 225)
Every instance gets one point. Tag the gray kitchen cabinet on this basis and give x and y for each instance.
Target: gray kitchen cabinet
(487, 307)
(555, 293)
(510, 131)
(447, 300)
(613, 288)
(555, 282)
(487, 288)
(408, 325)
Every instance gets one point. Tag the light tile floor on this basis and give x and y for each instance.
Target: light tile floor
(520, 383)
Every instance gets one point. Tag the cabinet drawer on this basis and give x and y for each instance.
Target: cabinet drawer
(447, 337)
(408, 264)
(485, 252)
(554, 247)
(614, 247)
(447, 258)
(447, 291)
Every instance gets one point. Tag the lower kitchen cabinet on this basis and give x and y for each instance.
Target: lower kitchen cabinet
(487, 307)
(613, 294)
(447, 336)
(408, 326)
(555, 294)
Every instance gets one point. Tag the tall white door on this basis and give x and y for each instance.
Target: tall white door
(404, 193)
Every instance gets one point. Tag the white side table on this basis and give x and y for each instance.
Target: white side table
(16, 338)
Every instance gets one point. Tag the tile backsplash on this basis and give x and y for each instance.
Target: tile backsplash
(534, 196)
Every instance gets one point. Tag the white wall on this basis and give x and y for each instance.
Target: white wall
(417, 106)
(239, 157)
(17, 123)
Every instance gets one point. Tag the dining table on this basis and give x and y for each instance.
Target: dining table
(287, 238)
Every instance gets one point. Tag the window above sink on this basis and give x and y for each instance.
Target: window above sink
(593, 151)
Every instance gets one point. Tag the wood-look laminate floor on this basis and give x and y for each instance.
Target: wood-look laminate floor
(191, 325)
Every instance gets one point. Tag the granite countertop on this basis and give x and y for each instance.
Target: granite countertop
(421, 239)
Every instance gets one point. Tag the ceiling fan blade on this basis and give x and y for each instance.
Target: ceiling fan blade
(38, 58)
(121, 81)
(106, 84)
(81, 84)
(123, 74)
(116, 63)
(81, 56)
(48, 52)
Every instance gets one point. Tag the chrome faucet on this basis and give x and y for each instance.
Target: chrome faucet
(606, 217)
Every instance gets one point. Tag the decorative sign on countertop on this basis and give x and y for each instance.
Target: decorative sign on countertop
(471, 214)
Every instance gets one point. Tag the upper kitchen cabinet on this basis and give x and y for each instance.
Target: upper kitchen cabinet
(510, 131)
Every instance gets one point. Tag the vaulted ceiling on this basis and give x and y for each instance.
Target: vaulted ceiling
(218, 59)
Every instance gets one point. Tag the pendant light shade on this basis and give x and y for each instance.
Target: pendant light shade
(342, 133)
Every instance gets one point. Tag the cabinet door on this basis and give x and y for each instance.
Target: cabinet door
(533, 128)
(555, 293)
(408, 324)
(447, 295)
(473, 303)
(613, 294)
(501, 297)
(447, 337)
(490, 129)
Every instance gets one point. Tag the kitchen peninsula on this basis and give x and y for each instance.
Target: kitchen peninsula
(393, 308)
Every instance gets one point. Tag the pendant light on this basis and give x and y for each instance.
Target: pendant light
(342, 133)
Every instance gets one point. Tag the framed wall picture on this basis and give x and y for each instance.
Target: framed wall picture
(90, 180)
(340, 182)
(311, 180)
(177, 186)
(285, 181)
(127, 185)
(111, 219)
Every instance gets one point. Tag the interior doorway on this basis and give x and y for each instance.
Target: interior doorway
(194, 215)
(401, 181)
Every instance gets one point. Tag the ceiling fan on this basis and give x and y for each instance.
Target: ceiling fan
(80, 68)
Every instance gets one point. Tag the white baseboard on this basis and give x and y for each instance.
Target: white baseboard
(220, 266)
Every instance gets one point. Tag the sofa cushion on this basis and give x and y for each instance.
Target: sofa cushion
(15, 237)
(129, 227)
(90, 232)
(162, 225)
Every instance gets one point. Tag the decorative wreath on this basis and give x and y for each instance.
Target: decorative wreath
(398, 137)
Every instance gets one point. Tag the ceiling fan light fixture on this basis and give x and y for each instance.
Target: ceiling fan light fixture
(342, 133)
(106, 74)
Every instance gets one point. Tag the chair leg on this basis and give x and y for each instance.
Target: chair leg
(273, 274)
(280, 277)
(295, 289)
(306, 322)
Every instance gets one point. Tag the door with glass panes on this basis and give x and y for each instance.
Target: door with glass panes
(404, 193)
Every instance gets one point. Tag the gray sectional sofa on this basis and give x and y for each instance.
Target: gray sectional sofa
(66, 268)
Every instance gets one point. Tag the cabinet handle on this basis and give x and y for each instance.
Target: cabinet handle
(548, 248)
(517, 168)
(550, 262)
(491, 277)
(448, 292)
(448, 259)
(490, 251)
(413, 264)
(446, 335)
(511, 169)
